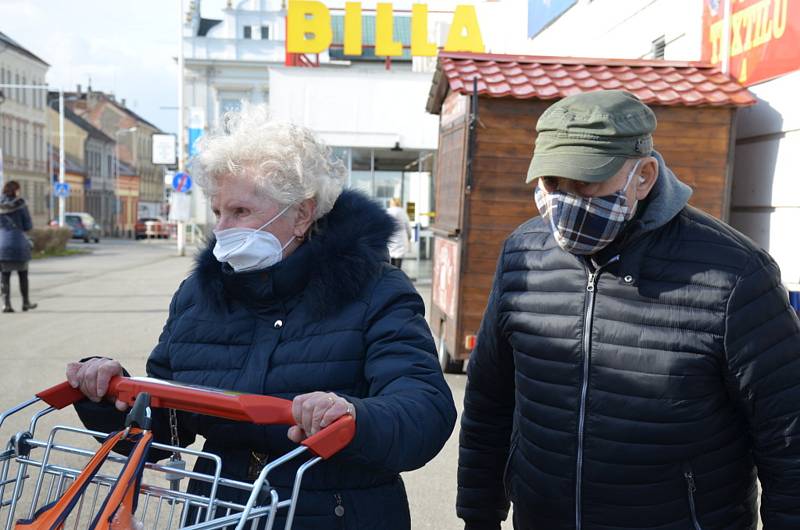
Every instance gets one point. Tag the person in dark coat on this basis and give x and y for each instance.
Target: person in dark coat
(295, 298)
(15, 248)
(638, 363)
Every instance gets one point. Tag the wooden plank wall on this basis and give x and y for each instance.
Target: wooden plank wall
(450, 176)
(694, 142)
(499, 200)
(450, 168)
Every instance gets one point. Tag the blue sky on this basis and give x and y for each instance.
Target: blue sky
(126, 47)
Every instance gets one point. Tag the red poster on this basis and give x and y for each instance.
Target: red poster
(764, 38)
(445, 275)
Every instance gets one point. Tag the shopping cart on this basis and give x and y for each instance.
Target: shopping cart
(36, 472)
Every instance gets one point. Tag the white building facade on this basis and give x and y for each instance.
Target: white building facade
(23, 126)
(371, 112)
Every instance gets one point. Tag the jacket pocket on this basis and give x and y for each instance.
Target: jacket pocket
(691, 488)
(507, 469)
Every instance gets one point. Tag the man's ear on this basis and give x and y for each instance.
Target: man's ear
(646, 178)
(304, 217)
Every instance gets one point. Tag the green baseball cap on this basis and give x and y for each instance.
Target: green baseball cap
(589, 136)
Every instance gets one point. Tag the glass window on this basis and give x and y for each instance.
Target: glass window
(342, 154)
(264, 32)
(387, 185)
(392, 168)
(361, 170)
(248, 32)
(229, 105)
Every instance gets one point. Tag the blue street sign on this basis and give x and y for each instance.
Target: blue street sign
(182, 182)
(61, 189)
(194, 135)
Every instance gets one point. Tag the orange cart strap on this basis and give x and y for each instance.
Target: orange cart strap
(52, 516)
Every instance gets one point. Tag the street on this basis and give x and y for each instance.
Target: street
(113, 302)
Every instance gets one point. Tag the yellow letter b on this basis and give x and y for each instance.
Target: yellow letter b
(308, 27)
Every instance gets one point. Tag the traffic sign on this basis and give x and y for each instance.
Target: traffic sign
(61, 189)
(164, 149)
(182, 182)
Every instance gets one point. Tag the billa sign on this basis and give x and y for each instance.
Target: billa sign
(764, 39)
(308, 30)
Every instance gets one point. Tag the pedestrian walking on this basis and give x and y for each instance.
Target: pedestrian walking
(401, 238)
(15, 247)
(638, 364)
(294, 298)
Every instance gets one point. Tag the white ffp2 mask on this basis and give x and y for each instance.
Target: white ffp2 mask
(248, 249)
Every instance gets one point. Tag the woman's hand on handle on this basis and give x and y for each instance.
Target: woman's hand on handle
(92, 377)
(316, 411)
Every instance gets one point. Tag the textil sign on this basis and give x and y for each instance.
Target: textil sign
(763, 41)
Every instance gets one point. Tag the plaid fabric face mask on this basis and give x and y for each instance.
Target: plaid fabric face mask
(585, 225)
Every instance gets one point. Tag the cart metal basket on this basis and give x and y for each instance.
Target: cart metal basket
(35, 470)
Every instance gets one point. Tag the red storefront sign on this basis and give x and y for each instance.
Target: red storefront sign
(764, 38)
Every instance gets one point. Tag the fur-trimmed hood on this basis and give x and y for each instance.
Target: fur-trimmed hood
(346, 249)
(11, 204)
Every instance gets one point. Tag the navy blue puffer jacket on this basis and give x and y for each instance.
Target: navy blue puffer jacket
(14, 222)
(333, 316)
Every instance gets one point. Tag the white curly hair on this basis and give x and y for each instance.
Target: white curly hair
(287, 162)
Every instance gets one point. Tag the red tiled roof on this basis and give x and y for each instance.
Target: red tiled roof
(655, 82)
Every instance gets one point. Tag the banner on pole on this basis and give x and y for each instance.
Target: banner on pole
(197, 123)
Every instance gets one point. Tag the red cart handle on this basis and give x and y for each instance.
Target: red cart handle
(251, 408)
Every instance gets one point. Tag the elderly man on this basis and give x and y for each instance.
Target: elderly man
(638, 364)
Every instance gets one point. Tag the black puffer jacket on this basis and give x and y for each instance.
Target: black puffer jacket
(647, 400)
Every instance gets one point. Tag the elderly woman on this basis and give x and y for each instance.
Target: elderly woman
(294, 298)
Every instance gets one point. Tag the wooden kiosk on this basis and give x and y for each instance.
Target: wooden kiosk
(488, 107)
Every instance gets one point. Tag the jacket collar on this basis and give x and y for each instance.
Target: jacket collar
(346, 248)
(666, 200)
(10, 204)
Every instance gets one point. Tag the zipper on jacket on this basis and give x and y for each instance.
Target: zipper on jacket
(508, 465)
(591, 287)
(689, 476)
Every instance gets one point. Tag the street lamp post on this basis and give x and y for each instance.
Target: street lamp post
(46, 88)
(116, 151)
(181, 235)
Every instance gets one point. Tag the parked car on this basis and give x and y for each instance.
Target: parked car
(83, 226)
(151, 227)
